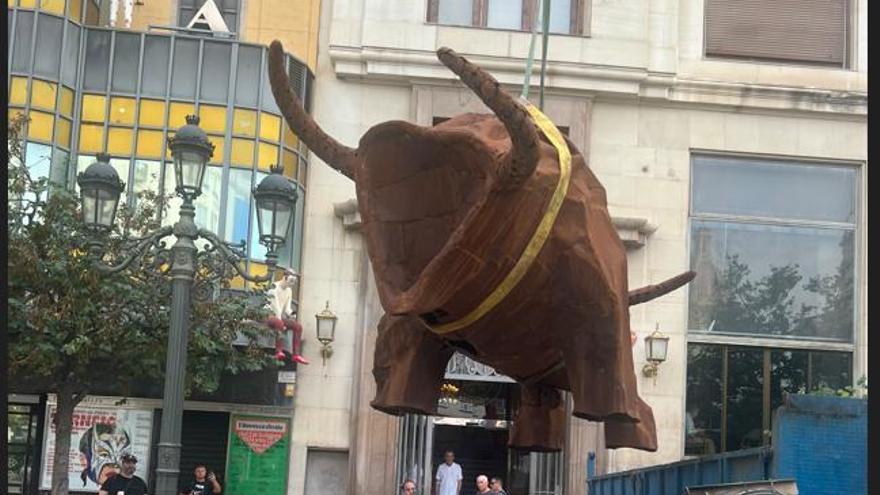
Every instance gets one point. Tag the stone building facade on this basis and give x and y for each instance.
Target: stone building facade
(708, 152)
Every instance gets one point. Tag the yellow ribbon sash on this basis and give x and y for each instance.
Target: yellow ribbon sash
(541, 233)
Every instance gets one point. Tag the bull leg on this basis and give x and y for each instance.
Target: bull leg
(539, 424)
(598, 360)
(408, 367)
(628, 434)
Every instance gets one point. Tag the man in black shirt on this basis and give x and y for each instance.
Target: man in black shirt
(125, 482)
(205, 483)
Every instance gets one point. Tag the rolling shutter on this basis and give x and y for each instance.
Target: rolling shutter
(204, 436)
(810, 31)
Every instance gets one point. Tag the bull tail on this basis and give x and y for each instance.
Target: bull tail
(645, 294)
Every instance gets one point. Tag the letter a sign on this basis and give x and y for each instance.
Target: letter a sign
(208, 17)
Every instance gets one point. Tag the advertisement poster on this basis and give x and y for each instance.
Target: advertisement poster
(259, 448)
(99, 437)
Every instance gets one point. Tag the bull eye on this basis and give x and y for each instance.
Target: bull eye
(434, 317)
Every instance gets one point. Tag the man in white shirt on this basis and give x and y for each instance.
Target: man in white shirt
(448, 480)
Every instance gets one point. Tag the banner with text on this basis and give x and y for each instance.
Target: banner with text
(259, 449)
(99, 438)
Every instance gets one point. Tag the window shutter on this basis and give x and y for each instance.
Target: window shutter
(811, 31)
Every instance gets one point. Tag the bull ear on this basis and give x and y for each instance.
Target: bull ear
(342, 158)
(522, 159)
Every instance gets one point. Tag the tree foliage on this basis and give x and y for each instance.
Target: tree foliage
(72, 328)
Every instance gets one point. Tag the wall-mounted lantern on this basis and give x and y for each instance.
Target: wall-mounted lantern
(656, 346)
(326, 330)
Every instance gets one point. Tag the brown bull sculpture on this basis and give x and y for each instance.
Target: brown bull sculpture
(489, 235)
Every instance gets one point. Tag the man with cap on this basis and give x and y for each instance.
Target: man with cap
(125, 482)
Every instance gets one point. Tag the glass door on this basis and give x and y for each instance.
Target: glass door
(21, 442)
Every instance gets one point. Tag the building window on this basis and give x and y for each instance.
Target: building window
(566, 16)
(732, 391)
(773, 245)
(797, 31)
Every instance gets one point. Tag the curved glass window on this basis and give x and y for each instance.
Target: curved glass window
(24, 28)
(43, 94)
(215, 71)
(106, 108)
(269, 104)
(47, 58)
(18, 91)
(238, 204)
(256, 250)
(183, 73)
(70, 54)
(146, 176)
(97, 60)
(247, 77)
(38, 160)
(126, 53)
(208, 203)
(59, 168)
(155, 73)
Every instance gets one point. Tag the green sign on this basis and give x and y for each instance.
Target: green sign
(259, 450)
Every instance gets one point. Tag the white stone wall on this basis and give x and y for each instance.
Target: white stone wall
(655, 99)
(641, 153)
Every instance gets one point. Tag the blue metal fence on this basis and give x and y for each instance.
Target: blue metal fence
(673, 478)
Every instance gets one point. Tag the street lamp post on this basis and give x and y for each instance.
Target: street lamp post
(101, 188)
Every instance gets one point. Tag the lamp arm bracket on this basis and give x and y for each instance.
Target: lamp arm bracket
(139, 248)
(233, 256)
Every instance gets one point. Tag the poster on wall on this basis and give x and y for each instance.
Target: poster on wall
(259, 448)
(99, 437)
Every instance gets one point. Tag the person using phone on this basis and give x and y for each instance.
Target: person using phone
(204, 482)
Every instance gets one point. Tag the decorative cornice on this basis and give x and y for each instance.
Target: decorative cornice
(407, 67)
(633, 231)
(348, 212)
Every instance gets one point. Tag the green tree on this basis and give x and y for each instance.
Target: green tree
(72, 329)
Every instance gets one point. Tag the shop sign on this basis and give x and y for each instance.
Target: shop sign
(259, 449)
(99, 438)
(287, 377)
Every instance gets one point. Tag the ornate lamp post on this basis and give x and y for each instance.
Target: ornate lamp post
(100, 191)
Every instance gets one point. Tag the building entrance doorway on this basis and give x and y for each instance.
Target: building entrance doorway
(474, 420)
(477, 449)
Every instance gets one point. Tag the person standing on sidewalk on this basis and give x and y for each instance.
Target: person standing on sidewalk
(125, 482)
(408, 488)
(496, 486)
(483, 485)
(448, 479)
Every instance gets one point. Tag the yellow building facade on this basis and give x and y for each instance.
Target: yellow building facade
(89, 84)
(89, 81)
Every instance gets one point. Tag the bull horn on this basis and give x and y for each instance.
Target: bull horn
(520, 163)
(645, 294)
(342, 158)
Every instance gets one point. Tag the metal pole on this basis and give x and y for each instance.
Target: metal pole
(545, 28)
(182, 273)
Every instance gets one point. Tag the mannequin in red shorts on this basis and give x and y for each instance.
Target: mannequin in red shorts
(283, 320)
